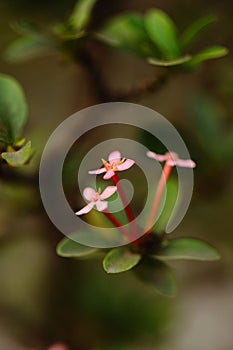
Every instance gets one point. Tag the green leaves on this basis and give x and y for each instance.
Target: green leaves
(159, 275)
(187, 248)
(81, 14)
(127, 32)
(13, 108)
(193, 32)
(71, 249)
(155, 37)
(120, 260)
(208, 54)
(163, 33)
(20, 157)
(27, 47)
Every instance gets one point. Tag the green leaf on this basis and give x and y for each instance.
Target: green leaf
(127, 32)
(159, 274)
(120, 260)
(169, 63)
(13, 107)
(71, 249)
(163, 33)
(195, 30)
(24, 28)
(3, 137)
(187, 248)
(208, 54)
(81, 14)
(20, 157)
(28, 47)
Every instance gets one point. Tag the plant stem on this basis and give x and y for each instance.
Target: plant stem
(117, 224)
(127, 208)
(158, 195)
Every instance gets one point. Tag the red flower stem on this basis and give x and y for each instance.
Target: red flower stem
(117, 224)
(158, 195)
(127, 208)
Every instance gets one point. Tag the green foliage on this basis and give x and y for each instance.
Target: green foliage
(81, 14)
(27, 47)
(194, 31)
(20, 157)
(69, 248)
(208, 54)
(187, 248)
(159, 275)
(13, 108)
(155, 37)
(163, 33)
(120, 260)
(127, 32)
(208, 116)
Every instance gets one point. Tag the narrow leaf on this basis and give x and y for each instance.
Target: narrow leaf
(28, 47)
(208, 54)
(169, 63)
(127, 32)
(195, 30)
(163, 33)
(81, 14)
(69, 248)
(187, 248)
(159, 275)
(20, 157)
(13, 107)
(120, 260)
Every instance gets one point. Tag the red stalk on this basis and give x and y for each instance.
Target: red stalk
(127, 208)
(158, 195)
(117, 223)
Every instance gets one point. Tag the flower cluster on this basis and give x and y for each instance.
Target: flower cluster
(110, 168)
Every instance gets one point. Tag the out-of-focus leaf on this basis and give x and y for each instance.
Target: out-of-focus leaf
(24, 28)
(187, 248)
(67, 32)
(13, 107)
(169, 63)
(127, 32)
(163, 33)
(20, 157)
(206, 116)
(159, 275)
(208, 54)
(81, 14)
(28, 47)
(195, 30)
(120, 260)
(3, 137)
(69, 248)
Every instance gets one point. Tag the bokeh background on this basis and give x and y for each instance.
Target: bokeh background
(45, 298)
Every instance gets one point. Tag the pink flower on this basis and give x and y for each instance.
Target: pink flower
(96, 199)
(115, 163)
(172, 159)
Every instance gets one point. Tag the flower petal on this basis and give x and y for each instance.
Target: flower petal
(108, 192)
(97, 171)
(101, 205)
(85, 209)
(109, 174)
(126, 165)
(114, 156)
(185, 163)
(89, 193)
(159, 157)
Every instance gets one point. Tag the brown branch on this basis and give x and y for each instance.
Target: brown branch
(86, 58)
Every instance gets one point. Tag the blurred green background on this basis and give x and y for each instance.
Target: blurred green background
(45, 298)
